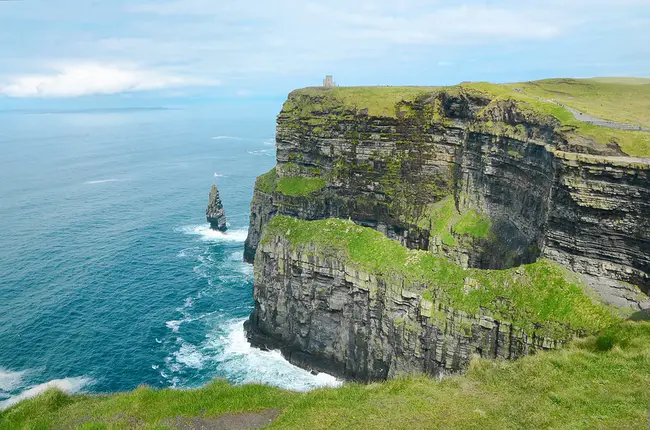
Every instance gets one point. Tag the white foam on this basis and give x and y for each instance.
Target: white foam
(174, 325)
(102, 181)
(10, 381)
(267, 152)
(270, 142)
(218, 175)
(226, 137)
(68, 385)
(245, 269)
(251, 365)
(237, 256)
(209, 235)
(190, 356)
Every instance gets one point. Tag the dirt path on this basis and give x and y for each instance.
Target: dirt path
(597, 121)
(226, 421)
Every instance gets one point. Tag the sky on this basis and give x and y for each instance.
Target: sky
(112, 53)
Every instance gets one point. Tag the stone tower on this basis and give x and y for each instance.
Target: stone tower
(328, 82)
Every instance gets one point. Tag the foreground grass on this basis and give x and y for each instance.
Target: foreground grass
(597, 383)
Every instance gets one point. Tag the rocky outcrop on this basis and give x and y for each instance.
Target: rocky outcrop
(215, 213)
(327, 314)
(485, 182)
(546, 194)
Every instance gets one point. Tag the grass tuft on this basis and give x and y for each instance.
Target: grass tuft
(579, 387)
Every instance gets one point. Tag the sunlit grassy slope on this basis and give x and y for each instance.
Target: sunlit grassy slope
(597, 383)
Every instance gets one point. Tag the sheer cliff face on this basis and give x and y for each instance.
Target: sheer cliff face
(484, 183)
(589, 210)
(325, 314)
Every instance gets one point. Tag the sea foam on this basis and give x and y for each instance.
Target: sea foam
(226, 138)
(68, 385)
(252, 365)
(102, 181)
(209, 235)
(10, 381)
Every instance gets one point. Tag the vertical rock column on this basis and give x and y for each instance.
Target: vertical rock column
(215, 213)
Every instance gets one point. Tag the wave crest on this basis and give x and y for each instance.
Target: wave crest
(209, 235)
(68, 385)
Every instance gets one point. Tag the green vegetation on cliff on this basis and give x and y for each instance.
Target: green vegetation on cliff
(600, 382)
(380, 101)
(620, 100)
(290, 186)
(541, 296)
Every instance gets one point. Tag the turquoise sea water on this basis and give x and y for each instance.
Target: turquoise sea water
(109, 275)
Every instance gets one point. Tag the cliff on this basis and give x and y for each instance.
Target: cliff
(215, 213)
(341, 298)
(483, 176)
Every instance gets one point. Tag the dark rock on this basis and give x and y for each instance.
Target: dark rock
(215, 213)
(572, 201)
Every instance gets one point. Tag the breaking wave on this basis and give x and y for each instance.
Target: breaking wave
(102, 181)
(68, 385)
(10, 381)
(267, 152)
(208, 235)
(228, 350)
(226, 138)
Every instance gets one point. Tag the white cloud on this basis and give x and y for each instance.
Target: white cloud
(81, 79)
(259, 45)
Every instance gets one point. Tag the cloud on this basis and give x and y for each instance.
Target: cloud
(271, 46)
(82, 79)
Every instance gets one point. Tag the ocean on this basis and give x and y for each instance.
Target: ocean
(109, 275)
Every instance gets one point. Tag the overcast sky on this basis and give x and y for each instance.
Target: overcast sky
(184, 49)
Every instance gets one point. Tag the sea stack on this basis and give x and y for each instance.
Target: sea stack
(215, 214)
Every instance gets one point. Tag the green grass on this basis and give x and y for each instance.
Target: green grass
(267, 182)
(625, 100)
(474, 224)
(380, 101)
(290, 186)
(617, 99)
(542, 297)
(595, 383)
(299, 185)
(443, 220)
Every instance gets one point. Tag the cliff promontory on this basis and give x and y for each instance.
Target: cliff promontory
(500, 197)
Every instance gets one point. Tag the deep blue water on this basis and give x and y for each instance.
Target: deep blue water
(109, 275)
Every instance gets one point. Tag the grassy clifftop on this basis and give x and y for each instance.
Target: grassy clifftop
(613, 99)
(541, 295)
(596, 383)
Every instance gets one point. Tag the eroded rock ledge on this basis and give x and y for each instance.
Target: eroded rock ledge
(546, 192)
(475, 179)
(365, 308)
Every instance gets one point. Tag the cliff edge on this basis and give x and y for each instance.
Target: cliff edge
(485, 177)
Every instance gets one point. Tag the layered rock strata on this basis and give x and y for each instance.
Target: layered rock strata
(328, 313)
(215, 213)
(482, 181)
(589, 210)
